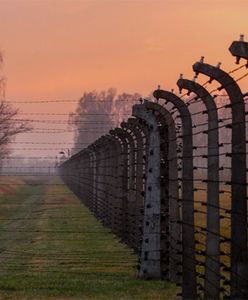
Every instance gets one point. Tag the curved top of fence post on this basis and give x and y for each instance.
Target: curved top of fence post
(110, 138)
(180, 105)
(120, 134)
(162, 110)
(238, 115)
(202, 93)
(86, 151)
(139, 125)
(133, 131)
(131, 142)
(136, 130)
(98, 143)
(133, 135)
(188, 239)
(117, 132)
(186, 136)
(166, 115)
(140, 111)
(132, 123)
(169, 122)
(127, 135)
(126, 126)
(117, 149)
(103, 141)
(239, 49)
(226, 81)
(92, 148)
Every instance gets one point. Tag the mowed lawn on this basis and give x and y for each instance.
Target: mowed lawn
(52, 247)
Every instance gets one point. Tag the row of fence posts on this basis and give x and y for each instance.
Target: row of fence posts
(139, 181)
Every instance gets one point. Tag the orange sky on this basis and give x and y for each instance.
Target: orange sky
(57, 49)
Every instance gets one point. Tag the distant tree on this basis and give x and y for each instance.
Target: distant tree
(123, 104)
(2, 80)
(92, 117)
(9, 125)
(97, 113)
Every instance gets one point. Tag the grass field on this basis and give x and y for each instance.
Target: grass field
(52, 247)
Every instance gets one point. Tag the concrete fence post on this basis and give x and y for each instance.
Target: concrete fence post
(132, 201)
(189, 290)
(94, 177)
(140, 134)
(119, 135)
(150, 253)
(212, 267)
(117, 184)
(171, 246)
(239, 263)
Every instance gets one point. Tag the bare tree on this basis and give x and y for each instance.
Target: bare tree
(9, 125)
(2, 80)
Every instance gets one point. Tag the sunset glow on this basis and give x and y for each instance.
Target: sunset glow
(123, 149)
(58, 49)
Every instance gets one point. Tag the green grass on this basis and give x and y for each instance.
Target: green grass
(52, 247)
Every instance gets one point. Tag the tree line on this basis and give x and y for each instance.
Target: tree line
(98, 112)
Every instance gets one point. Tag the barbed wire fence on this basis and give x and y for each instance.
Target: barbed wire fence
(171, 183)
